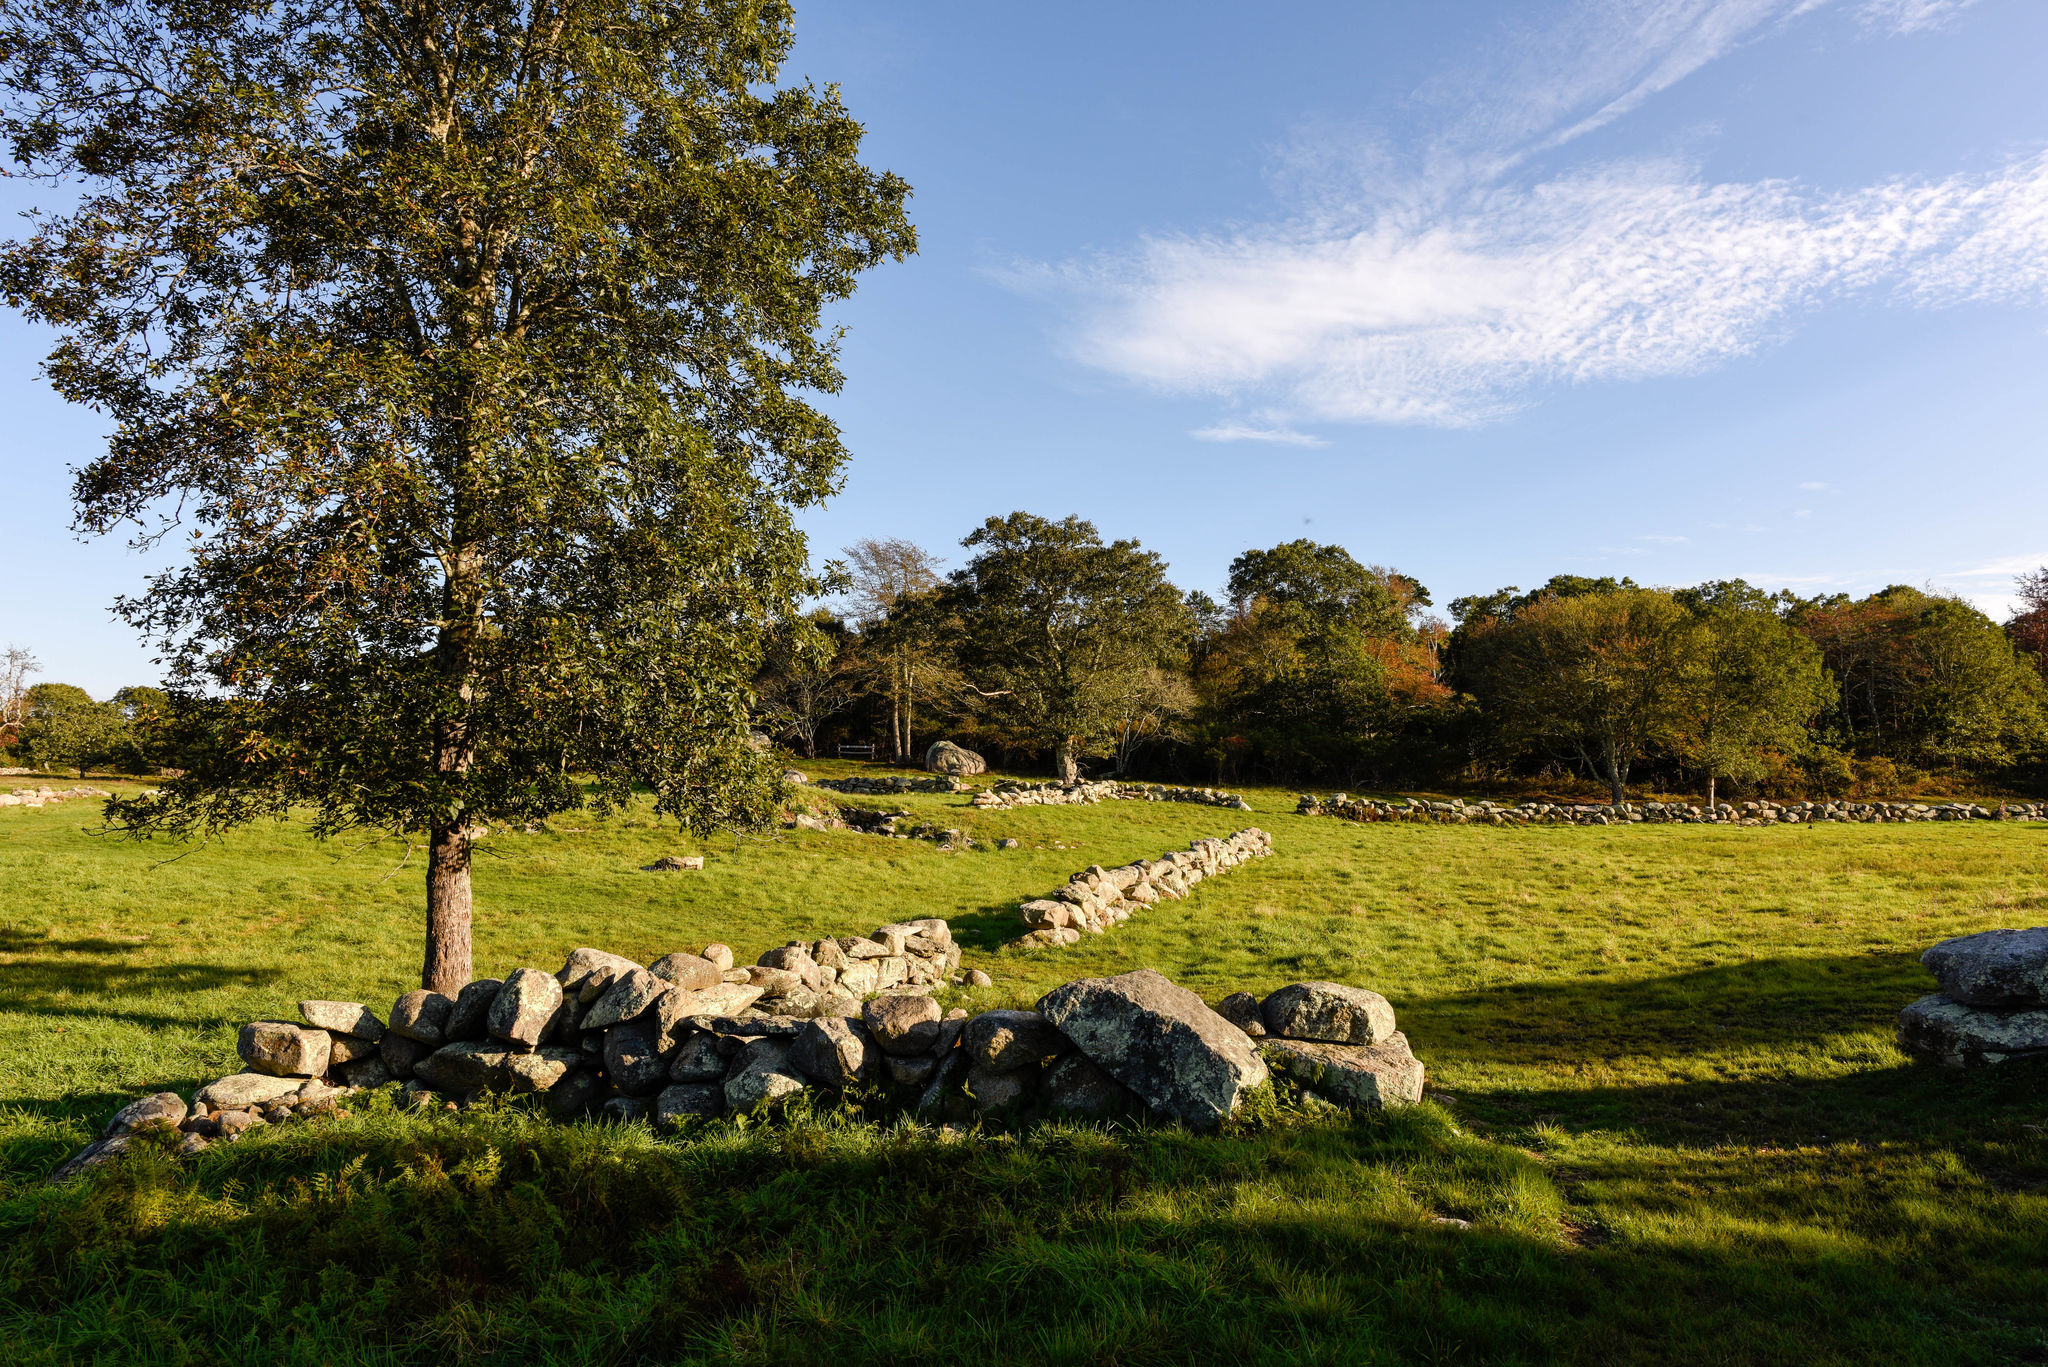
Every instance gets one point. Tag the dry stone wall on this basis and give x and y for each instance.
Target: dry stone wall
(45, 796)
(1012, 794)
(684, 1038)
(1097, 898)
(1459, 812)
(888, 785)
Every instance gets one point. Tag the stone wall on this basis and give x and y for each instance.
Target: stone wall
(605, 1036)
(1013, 794)
(888, 785)
(1097, 898)
(41, 797)
(1993, 1004)
(1459, 812)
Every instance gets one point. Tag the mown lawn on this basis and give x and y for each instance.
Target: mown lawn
(1664, 1092)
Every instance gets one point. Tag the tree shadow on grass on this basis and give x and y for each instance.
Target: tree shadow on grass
(74, 979)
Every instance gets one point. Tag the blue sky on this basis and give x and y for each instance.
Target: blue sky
(1486, 292)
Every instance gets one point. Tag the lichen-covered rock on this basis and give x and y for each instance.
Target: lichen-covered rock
(158, 1108)
(761, 1077)
(2007, 968)
(697, 1059)
(686, 1100)
(574, 1094)
(583, 964)
(860, 977)
(690, 972)
(400, 1053)
(1958, 1035)
(1000, 1092)
(283, 1049)
(720, 956)
(836, 1001)
(1001, 1041)
(1075, 1086)
(774, 982)
(469, 1018)
(1363, 1076)
(944, 757)
(629, 995)
(911, 1072)
(367, 1072)
(1330, 1012)
(1241, 1009)
(524, 1006)
(1160, 1040)
(487, 1065)
(422, 1015)
(343, 1049)
(795, 958)
(343, 1018)
(247, 1089)
(91, 1156)
(903, 1024)
(632, 1061)
(832, 1052)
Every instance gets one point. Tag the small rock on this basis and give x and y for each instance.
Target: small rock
(1329, 1012)
(192, 1145)
(977, 978)
(837, 1001)
(773, 982)
(346, 1049)
(831, 1052)
(574, 1094)
(719, 955)
(367, 1072)
(624, 1000)
(2006, 968)
(697, 1059)
(422, 1015)
(234, 1124)
(621, 1109)
(1241, 1009)
(996, 1093)
(1361, 1076)
(762, 1078)
(91, 1156)
(401, 1054)
(1075, 1086)
(158, 1108)
(242, 1090)
(1001, 1041)
(343, 1018)
(283, 1049)
(585, 963)
(631, 1060)
(911, 1072)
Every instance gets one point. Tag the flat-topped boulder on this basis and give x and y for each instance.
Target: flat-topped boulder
(1363, 1076)
(1161, 1041)
(1956, 1035)
(2006, 968)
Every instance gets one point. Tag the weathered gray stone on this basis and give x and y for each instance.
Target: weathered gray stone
(192, 1145)
(283, 1049)
(234, 1124)
(2005, 968)
(1160, 1040)
(574, 1094)
(860, 947)
(860, 977)
(400, 1053)
(697, 1059)
(893, 937)
(1000, 1041)
(720, 956)
(343, 1018)
(247, 1089)
(686, 1100)
(727, 999)
(690, 972)
(1075, 1086)
(933, 928)
(524, 1007)
(832, 1052)
(836, 1001)
(1241, 1009)
(469, 1018)
(944, 757)
(631, 1059)
(798, 1003)
(1957, 1035)
(487, 1065)
(422, 1015)
(773, 982)
(902, 1024)
(1000, 1092)
(91, 1156)
(911, 1072)
(762, 1077)
(828, 954)
(583, 963)
(624, 1000)
(346, 1049)
(1330, 1012)
(1364, 1076)
(620, 1109)
(794, 958)
(367, 1072)
(158, 1108)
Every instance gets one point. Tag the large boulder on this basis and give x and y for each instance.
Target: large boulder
(1160, 1040)
(422, 1015)
(524, 1005)
(1003, 1041)
(1993, 968)
(1331, 1012)
(1957, 1035)
(903, 1024)
(343, 1018)
(283, 1049)
(630, 993)
(832, 1052)
(944, 757)
(1364, 1076)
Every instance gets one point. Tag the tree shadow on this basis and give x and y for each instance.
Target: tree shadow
(64, 979)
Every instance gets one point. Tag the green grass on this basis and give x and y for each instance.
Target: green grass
(1664, 1091)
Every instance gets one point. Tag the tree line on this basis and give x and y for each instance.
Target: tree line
(1053, 647)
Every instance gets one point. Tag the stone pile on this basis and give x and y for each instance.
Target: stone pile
(646, 1046)
(1012, 794)
(1097, 898)
(1459, 812)
(42, 797)
(1993, 1003)
(872, 821)
(888, 785)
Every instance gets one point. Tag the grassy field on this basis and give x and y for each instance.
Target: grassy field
(1663, 1091)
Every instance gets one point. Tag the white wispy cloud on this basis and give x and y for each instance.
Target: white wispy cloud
(1283, 436)
(1622, 272)
(1440, 289)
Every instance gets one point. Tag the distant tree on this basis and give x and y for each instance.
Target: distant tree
(812, 675)
(477, 344)
(15, 669)
(1149, 712)
(1590, 677)
(147, 713)
(66, 729)
(890, 584)
(2028, 626)
(1746, 683)
(1058, 632)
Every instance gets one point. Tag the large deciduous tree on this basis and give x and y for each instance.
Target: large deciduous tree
(891, 587)
(1746, 683)
(1058, 633)
(470, 342)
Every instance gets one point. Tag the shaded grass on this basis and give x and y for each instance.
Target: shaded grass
(1664, 1079)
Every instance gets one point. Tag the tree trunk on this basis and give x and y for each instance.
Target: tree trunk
(447, 968)
(1066, 766)
(1710, 790)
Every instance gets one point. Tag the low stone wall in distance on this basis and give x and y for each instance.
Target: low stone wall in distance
(638, 1045)
(888, 785)
(1097, 898)
(1010, 794)
(41, 797)
(1459, 812)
